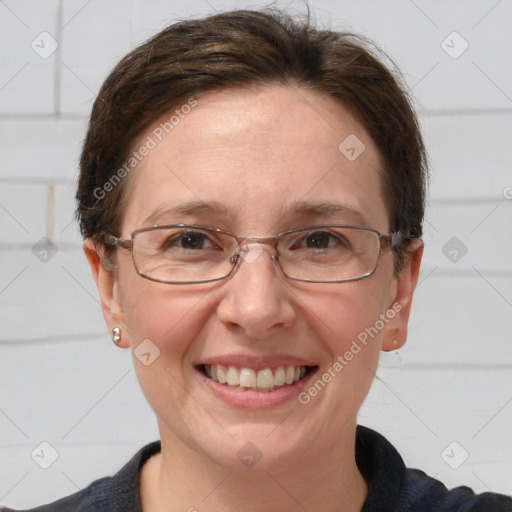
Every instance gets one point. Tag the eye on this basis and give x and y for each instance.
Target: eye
(320, 239)
(191, 240)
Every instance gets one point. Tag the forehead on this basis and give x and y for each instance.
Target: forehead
(256, 154)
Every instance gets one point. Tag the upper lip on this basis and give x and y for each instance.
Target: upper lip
(256, 362)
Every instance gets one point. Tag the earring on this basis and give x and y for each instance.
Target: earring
(116, 335)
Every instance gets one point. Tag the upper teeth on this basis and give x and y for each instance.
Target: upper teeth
(249, 378)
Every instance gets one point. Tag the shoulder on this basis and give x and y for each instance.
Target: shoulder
(422, 493)
(116, 493)
(394, 488)
(94, 497)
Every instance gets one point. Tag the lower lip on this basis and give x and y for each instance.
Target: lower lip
(256, 399)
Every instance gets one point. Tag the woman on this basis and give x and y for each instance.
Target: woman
(251, 198)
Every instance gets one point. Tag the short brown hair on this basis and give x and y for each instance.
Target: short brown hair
(244, 48)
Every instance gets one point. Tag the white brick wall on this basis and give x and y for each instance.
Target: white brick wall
(452, 381)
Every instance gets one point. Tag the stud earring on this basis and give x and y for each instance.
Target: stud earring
(116, 335)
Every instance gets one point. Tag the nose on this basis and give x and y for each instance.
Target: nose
(257, 300)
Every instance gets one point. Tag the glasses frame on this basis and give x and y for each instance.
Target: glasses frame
(386, 242)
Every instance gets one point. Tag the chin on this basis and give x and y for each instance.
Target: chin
(261, 447)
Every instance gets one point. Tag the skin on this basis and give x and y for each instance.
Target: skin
(255, 152)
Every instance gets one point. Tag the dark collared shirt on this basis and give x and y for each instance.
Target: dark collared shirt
(391, 486)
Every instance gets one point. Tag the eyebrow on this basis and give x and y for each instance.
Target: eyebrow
(303, 209)
(312, 209)
(187, 209)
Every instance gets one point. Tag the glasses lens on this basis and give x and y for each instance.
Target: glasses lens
(329, 253)
(183, 254)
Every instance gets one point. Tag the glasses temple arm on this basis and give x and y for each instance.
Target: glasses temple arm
(117, 242)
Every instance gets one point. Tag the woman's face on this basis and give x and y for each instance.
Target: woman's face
(257, 163)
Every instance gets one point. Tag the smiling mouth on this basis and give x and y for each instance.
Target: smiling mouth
(247, 379)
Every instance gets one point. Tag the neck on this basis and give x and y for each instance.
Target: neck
(180, 479)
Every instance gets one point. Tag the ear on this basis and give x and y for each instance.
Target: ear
(108, 289)
(395, 333)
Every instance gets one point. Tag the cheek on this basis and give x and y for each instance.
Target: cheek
(176, 320)
(346, 313)
(171, 318)
(348, 327)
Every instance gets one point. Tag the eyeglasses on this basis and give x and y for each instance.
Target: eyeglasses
(188, 254)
